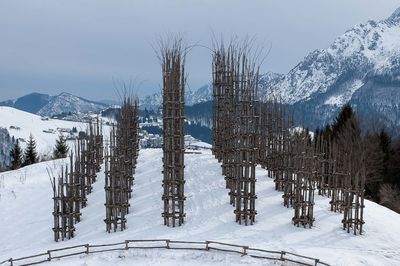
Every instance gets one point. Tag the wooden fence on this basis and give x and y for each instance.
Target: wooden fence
(163, 244)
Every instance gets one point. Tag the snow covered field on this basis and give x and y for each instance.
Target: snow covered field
(26, 221)
(27, 123)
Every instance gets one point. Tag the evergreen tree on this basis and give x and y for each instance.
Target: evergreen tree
(327, 132)
(340, 121)
(384, 144)
(394, 164)
(30, 154)
(349, 143)
(375, 165)
(61, 149)
(16, 156)
(389, 192)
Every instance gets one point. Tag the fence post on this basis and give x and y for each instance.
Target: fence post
(49, 253)
(87, 248)
(126, 244)
(167, 241)
(282, 255)
(244, 250)
(207, 247)
(316, 262)
(11, 262)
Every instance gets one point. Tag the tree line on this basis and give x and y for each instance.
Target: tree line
(381, 155)
(28, 156)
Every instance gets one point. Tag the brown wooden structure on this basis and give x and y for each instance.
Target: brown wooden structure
(353, 163)
(121, 159)
(172, 58)
(305, 172)
(236, 125)
(74, 183)
(66, 212)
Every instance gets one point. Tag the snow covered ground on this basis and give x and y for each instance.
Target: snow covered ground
(27, 123)
(26, 220)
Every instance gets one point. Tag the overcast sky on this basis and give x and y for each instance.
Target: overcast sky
(82, 46)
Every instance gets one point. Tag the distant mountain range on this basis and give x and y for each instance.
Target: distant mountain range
(202, 94)
(361, 67)
(46, 105)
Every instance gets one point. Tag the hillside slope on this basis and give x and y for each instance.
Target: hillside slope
(21, 124)
(26, 206)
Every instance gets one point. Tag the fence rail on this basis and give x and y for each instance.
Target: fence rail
(164, 244)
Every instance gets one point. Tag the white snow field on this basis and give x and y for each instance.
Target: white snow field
(26, 221)
(27, 123)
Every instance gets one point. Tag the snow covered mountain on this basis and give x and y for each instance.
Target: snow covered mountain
(66, 102)
(151, 102)
(202, 94)
(31, 103)
(46, 105)
(362, 67)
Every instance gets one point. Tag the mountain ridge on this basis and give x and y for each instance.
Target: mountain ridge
(47, 105)
(363, 62)
(361, 67)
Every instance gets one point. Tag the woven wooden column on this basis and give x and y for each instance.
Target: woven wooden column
(172, 59)
(305, 163)
(121, 159)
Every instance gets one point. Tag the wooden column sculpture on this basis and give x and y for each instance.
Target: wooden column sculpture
(120, 164)
(305, 167)
(74, 183)
(236, 125)
(172, 58)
